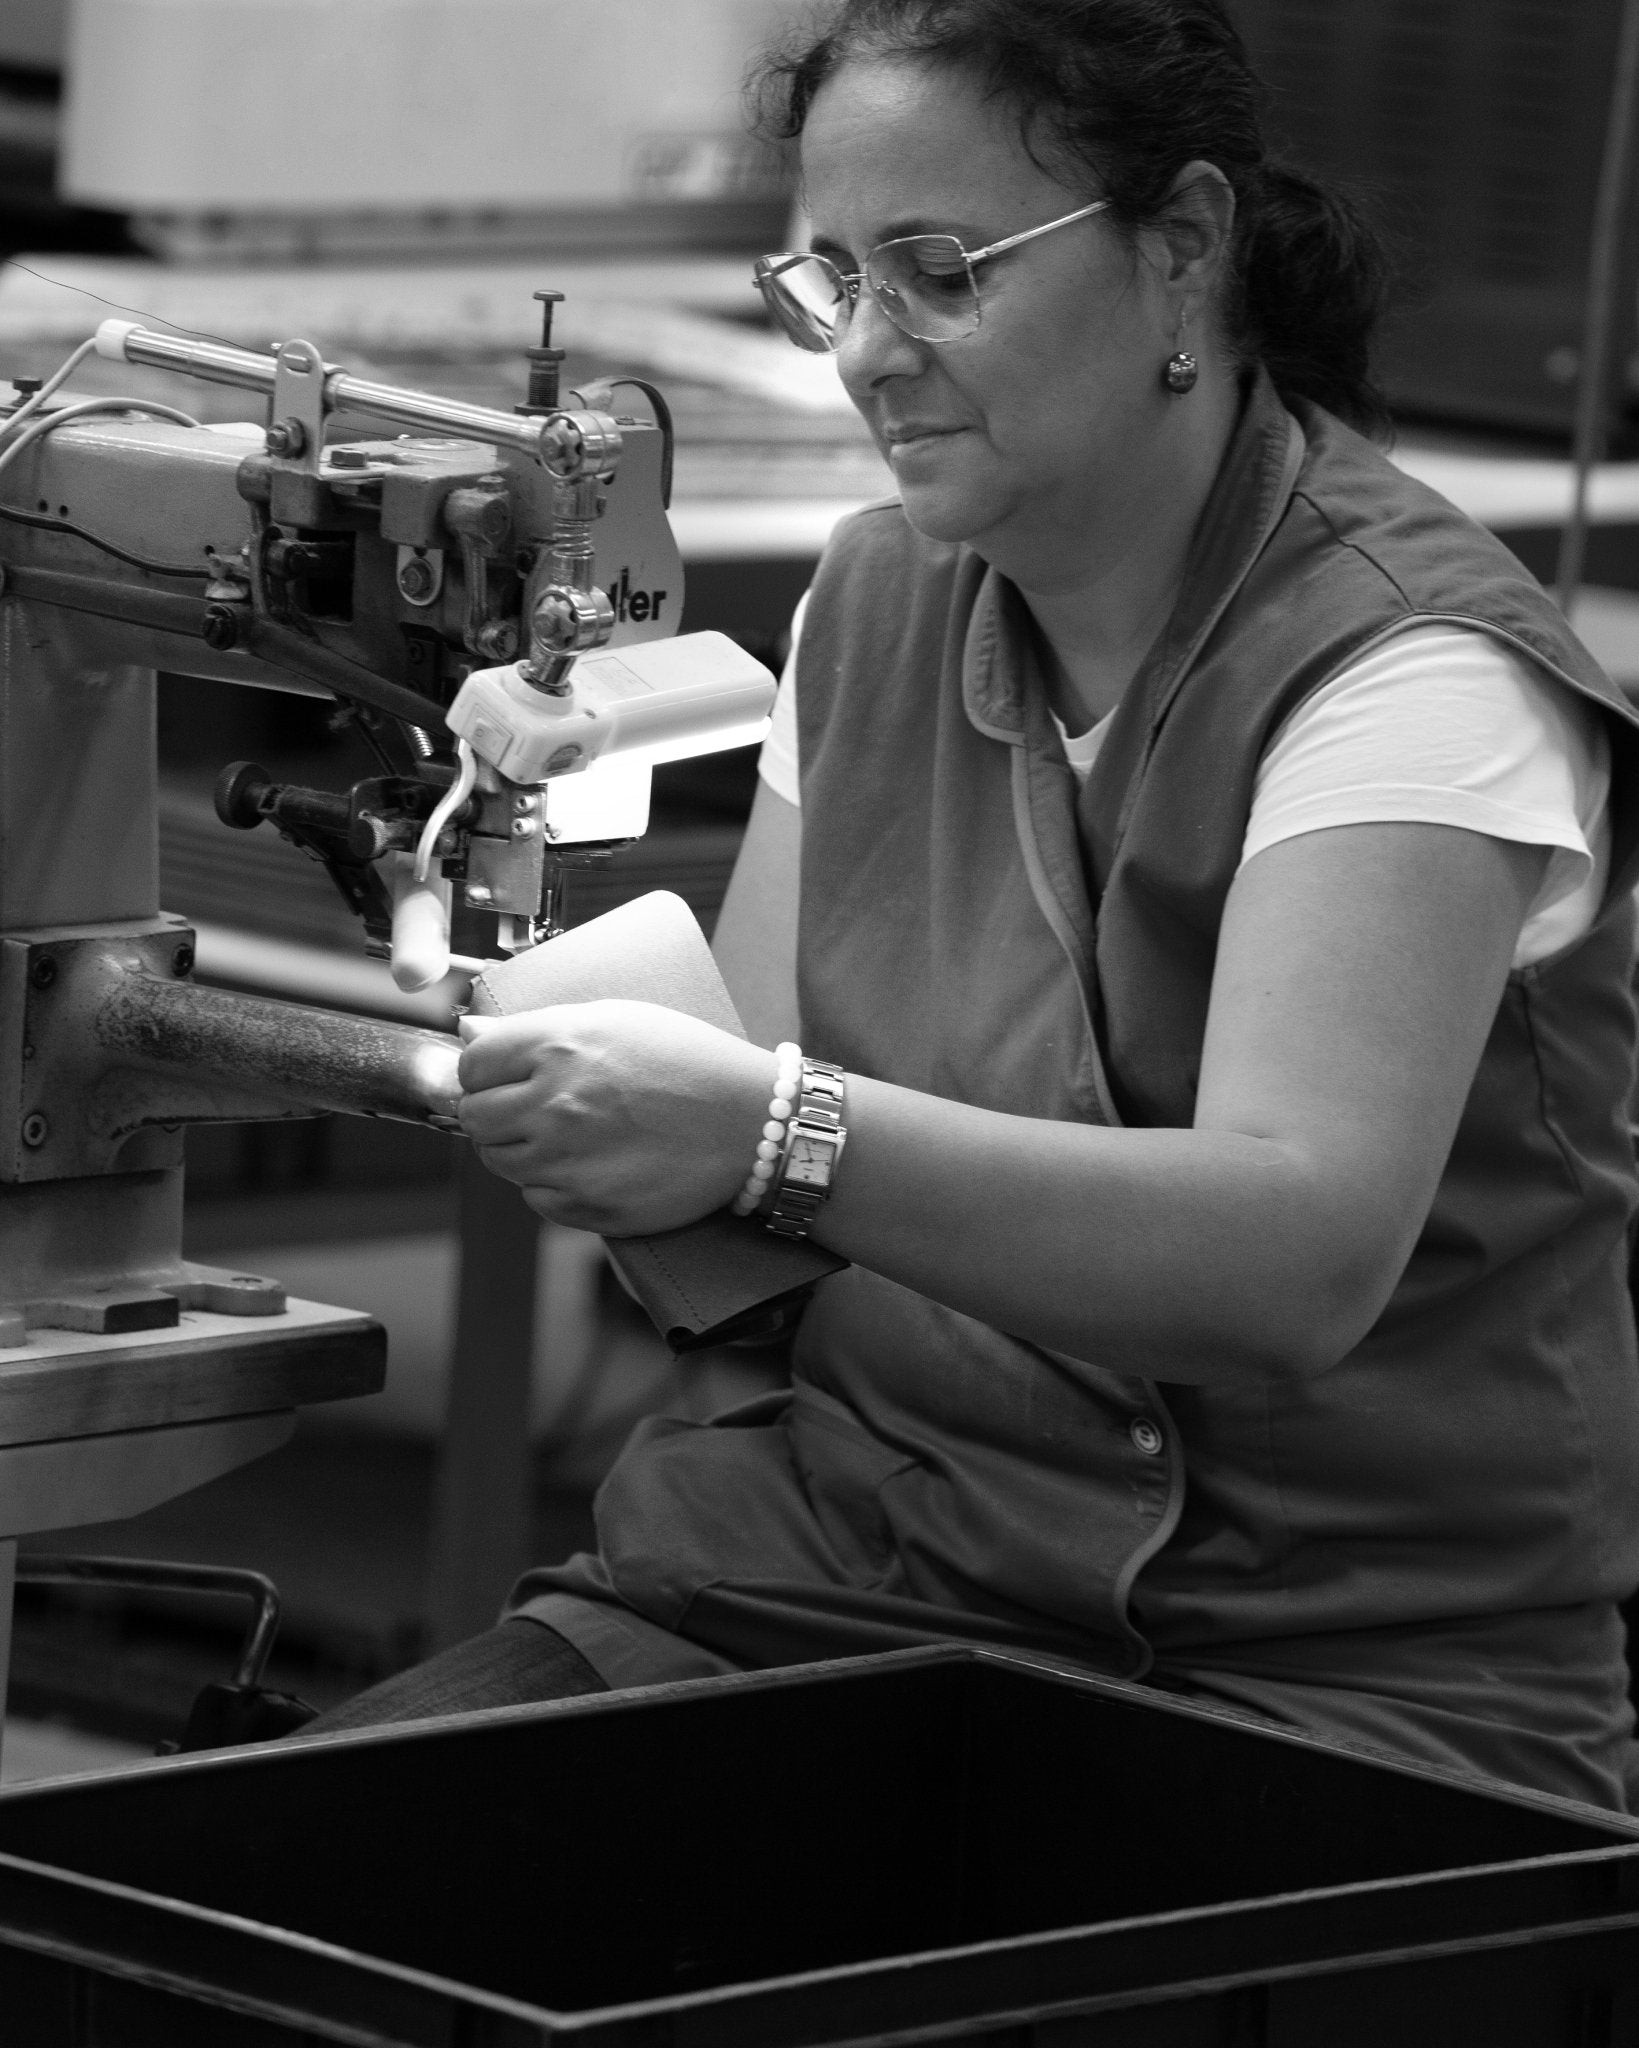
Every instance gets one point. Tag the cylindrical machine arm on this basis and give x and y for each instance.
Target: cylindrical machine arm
(322, 1058)
(418, 411)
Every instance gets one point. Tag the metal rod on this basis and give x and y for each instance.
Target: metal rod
(421, 411)
(483, 1487)
(166, 1577)
(1599, 321)
(282, 647)
(360, 1065)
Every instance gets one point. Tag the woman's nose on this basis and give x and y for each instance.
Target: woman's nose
(873, 349)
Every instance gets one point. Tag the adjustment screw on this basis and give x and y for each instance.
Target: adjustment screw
(219, 628)
(25, 387)
(498, 640)
(44, 971)
(523, 828)
(182, 961)
(415, 578)
(479, 895)
(524, 806)
(35, 1130)
(286, 437)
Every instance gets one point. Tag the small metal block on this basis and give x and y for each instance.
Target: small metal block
(35, 1130)
(112, 1314)
(232, 1294)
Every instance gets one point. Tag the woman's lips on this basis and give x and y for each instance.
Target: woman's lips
(901, 438)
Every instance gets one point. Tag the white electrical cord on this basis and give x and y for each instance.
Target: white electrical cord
(448, 804)
(32, 404)
(38, 429)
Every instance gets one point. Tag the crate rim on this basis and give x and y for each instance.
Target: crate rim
(837, 1670)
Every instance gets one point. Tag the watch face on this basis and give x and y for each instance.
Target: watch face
(810, 1161)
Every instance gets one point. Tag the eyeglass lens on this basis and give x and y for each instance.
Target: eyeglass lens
(923, 283)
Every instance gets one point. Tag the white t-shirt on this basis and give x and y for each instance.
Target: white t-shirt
(1436, 725)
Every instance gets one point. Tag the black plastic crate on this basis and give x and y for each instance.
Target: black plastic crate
(928, 1846)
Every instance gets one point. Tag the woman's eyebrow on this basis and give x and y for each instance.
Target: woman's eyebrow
(914, 224)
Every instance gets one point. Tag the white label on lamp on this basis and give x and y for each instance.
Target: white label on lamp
(614, 678)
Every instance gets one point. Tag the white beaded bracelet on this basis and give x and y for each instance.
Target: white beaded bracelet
(787, 1088)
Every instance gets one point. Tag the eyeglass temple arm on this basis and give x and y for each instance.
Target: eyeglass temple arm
(1030, 234)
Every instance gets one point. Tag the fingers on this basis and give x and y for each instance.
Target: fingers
(505, 1115)
(502, 1049)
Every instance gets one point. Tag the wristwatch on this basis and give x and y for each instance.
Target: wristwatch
(814, 1139)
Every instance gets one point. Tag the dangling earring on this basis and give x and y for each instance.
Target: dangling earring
(1182, 371)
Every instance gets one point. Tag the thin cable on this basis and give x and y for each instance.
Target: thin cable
(120, 306)
(107, 547)
(1599, 320)
(448, 804)
(38, 430)
(601, 392)
(32, 404)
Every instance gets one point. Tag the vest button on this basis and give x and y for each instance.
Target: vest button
(1147, 1437)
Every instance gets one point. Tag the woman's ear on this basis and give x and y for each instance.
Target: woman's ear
(1191, 240)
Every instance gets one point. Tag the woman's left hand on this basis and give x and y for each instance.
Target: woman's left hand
(617, 1117)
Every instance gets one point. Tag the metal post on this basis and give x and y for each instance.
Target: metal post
(484, 1485)
(8, 1589)
(1601, 308)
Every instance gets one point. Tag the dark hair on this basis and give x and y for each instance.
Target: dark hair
(1128, 92)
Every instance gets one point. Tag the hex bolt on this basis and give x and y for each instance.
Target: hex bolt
(182, 961)
(416, 578)
(35, 1130)
(44, 971)
(286, 437)
(497, 640)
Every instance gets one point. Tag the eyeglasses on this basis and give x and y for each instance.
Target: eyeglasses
(924, 283)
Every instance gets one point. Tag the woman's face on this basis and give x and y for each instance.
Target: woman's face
(1008, 438)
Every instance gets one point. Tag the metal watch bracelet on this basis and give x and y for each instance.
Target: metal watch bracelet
(814, 1139)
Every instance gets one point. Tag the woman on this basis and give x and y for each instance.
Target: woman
(1197, 848)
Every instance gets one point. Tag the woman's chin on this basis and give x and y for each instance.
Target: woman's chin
(945, 509)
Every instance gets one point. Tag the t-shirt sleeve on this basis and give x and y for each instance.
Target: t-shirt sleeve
(777, 764)
(1445, 725)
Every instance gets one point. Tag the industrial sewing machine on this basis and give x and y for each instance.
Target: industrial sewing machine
(490, 598)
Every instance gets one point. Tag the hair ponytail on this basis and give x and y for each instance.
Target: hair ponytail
(1311, 280)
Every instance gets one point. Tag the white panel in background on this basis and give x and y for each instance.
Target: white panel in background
(405, 103)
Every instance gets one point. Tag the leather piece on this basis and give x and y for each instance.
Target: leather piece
(724, 1277)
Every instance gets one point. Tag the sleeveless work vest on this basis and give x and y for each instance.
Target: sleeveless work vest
(975, 926)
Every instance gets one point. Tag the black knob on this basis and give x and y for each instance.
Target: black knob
(241, 791)
(220, 627)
